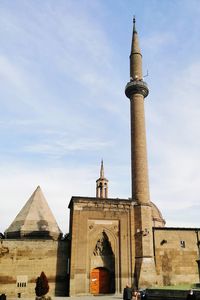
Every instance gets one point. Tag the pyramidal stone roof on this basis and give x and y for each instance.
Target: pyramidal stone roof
(35, 220)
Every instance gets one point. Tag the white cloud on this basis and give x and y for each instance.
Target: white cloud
(158, 41)
(62, 93)
(175, 174)
(64, 146)
(9, 72)
(17, 183)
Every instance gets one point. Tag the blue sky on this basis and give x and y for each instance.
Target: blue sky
(63, 69)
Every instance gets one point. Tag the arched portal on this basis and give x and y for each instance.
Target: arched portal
(100, 281)
(102, 274)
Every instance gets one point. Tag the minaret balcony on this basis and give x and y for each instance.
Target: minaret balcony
(136, 87)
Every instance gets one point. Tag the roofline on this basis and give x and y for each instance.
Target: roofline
(74, 198)
(177, 228)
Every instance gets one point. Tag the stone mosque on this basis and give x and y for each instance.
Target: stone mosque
(111, 241)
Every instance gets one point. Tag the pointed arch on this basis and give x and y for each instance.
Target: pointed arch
(96, 235)
(103, 246)
(103, 253)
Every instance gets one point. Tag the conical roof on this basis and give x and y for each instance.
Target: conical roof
(135, 48)
(35, 220)
(135, 56)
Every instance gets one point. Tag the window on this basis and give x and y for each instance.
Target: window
(182, 244)
(22, 281)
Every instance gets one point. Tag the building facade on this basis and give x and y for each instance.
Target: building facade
(110, 241)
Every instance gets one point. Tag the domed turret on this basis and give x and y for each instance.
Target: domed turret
(157, 217)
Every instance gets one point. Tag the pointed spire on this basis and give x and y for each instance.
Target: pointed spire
(102, 170)
(135, 56)
(135, 49)
(134, 28)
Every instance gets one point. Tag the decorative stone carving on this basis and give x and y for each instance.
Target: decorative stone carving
(103, 246)
(3, 251)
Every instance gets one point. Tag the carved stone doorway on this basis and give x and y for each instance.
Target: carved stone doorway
(100, 279)
(102, 274)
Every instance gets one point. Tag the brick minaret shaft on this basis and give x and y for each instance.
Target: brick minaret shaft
(136, 90)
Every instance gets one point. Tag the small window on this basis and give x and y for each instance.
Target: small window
(22, 281)
(21, 284)
(182, 244)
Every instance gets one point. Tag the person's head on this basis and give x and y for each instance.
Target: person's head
(127, 285)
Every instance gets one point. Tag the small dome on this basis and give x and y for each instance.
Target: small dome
(157, 217)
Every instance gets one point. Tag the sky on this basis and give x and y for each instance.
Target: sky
(63, 69)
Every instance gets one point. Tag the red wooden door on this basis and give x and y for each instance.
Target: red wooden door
(94, 281)
(99, 281)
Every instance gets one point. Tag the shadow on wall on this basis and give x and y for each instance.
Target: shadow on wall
(62, 269)
(166, 269)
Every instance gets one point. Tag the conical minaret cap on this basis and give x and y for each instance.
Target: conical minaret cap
(135, 48)
(35, 220)
(135, 57)
(102, 170)
(102, 176)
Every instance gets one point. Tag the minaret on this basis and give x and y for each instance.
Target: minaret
(136, 90)
(102, 184)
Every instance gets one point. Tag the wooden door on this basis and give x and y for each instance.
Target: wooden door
(94, 281)
(99, 281)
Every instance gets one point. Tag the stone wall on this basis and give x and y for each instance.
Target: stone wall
(22, 261)
(176, 254)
